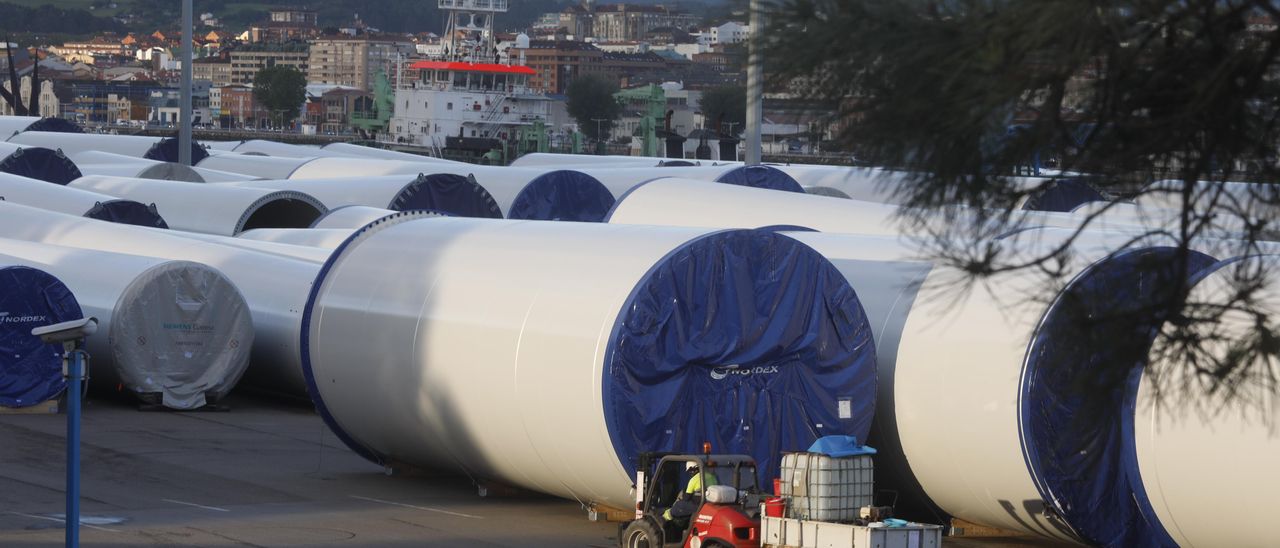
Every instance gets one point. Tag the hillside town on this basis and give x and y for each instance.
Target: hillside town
(661, 60)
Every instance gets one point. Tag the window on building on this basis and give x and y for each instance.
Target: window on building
(448, 106)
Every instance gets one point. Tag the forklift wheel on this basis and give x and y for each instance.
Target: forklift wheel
(641, 533)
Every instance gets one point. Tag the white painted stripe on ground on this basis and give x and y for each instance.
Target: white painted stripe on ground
(427, 508)
(214, 508)
(60, 520)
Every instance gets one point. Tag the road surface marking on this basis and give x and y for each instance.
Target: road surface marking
(214, 508)
(427, 508)
(60, 520)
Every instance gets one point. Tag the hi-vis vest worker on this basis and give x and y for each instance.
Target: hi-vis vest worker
(695, 483)
(686, 506)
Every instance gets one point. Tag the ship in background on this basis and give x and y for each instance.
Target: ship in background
(471, 101)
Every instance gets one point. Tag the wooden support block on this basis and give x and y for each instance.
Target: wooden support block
(962, 528)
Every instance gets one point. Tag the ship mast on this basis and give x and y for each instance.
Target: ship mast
(468, 33)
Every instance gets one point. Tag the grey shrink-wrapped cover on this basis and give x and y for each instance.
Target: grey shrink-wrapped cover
(186, 332)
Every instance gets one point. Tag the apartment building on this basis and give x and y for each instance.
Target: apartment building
(354, 61)
(246, 61)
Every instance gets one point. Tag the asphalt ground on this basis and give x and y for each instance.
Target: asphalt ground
(263, 474)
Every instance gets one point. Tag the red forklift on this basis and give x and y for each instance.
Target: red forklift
(728, 504)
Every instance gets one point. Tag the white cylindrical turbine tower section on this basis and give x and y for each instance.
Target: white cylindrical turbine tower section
(275, 148)
(358, 151)
(323, 238)
(175, 333)
(608, 341)
(214, 208)
(1195, 443)
(1233, 199)
(164, 149)
(552, 160)
(307, 253)
(686, 202)
(1009, 366)
(1075, 383)
(216, 176)
(30, 370)
(887, 273)
(75, 201)
(273, 286)
(260, 167)
(40, 163)
(1060, 194)
(119, 165)
(221, 146)
(536, 194)
(353, 217)
(682, 202)
(448, 193)
(826, 191)
(13, 125)
(621, 180)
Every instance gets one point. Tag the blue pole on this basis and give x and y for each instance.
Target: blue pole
(74, 374)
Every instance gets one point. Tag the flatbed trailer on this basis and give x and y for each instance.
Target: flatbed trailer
(777, 532)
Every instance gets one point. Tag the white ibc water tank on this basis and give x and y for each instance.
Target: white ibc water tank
(176, 333)
(607, 341)
(274, 287)
(213, 208)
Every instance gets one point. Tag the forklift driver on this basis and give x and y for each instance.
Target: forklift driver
(691, 498)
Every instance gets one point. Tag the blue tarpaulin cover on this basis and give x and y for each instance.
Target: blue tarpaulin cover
(562, 195)
(1064, 195)
(166, 150)
(1074, 385)
(840, 446)
(127, 212)
(746, 339)
(30, 370)
(760, 177)
(447, 193)
(42, 164)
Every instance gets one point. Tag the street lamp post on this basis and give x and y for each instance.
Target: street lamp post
(755, 85)
(184, 118)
